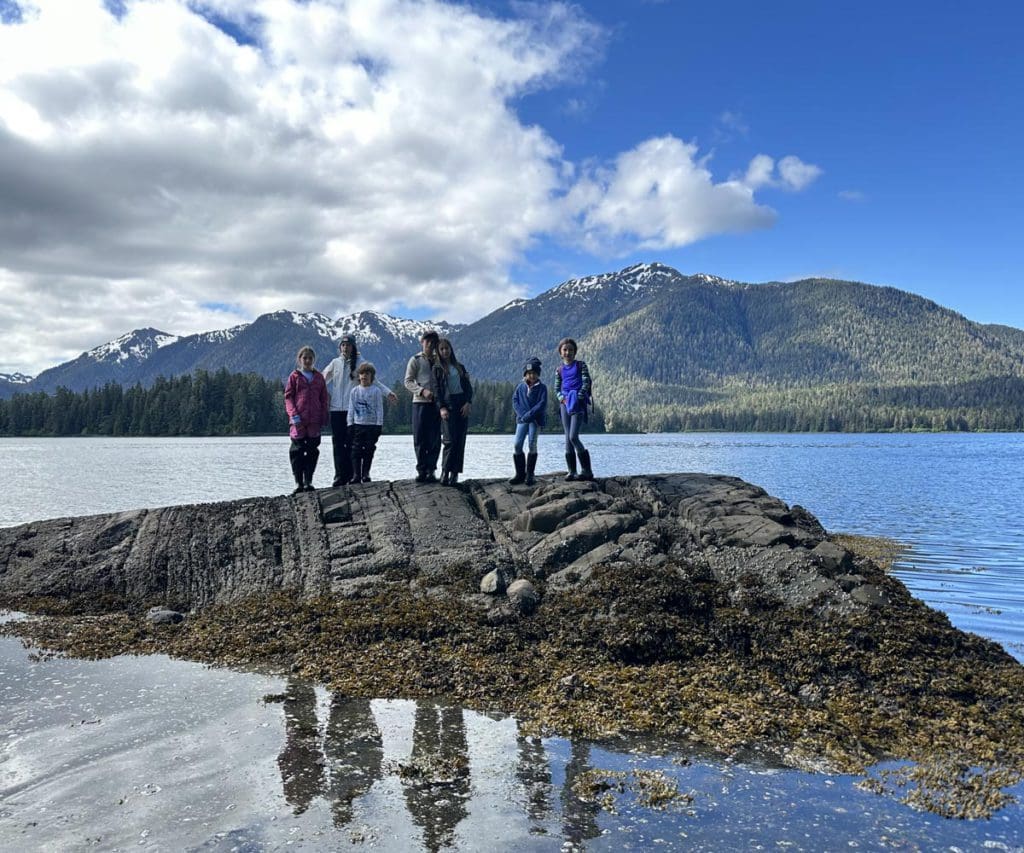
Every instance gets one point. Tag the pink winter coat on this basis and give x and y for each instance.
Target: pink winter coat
(310, 401)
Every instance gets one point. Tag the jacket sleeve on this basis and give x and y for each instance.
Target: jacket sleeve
(585, 383)
(558, 384)
(441, 394)
(289, 397)
(325, 402)
(467, 386)
(411, 374)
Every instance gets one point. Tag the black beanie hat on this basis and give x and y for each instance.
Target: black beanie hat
(532, 366)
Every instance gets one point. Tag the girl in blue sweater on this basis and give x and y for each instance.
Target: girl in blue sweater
(572, 387)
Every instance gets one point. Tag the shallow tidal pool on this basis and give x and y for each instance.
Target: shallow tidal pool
(151, 753)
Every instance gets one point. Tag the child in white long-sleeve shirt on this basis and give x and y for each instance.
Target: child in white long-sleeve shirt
(365, 420)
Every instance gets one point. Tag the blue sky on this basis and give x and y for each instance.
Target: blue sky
(914, 111)
(191, 165)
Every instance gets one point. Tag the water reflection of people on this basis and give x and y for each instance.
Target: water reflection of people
(579, 817)
(354, 751)
(437, 789)
(535, 776)
(299, 761)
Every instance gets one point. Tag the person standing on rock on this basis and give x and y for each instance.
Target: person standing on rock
(308, 406)
(530, 401)
(366, 420)
(454, 397)
(341, 377)
(426, 417)
(573, 389)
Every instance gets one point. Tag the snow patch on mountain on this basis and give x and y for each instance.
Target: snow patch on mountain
(367, 327)
(136, 345)
(221, 336)
(15, 378)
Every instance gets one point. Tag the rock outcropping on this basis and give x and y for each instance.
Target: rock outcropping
(475, 541)
(686, 605)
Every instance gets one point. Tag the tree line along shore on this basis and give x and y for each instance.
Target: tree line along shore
(224, 403)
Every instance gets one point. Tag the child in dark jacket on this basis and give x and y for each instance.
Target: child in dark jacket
(308, 406)
(530, 401)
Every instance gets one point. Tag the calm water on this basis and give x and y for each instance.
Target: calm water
(154, 754)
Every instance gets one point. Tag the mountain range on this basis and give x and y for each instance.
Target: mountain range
(655, 339)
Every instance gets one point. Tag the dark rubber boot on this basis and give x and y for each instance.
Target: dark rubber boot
(531, 466)
(570, 466)
(519, 460)
(586, 473)
(367, 462)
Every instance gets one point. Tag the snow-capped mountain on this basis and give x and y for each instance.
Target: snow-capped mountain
(134, 346)
(266, 346)
(11, 383)
(533, 327)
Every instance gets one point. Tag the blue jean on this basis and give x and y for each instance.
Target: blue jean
(522, 430)
(571, 426)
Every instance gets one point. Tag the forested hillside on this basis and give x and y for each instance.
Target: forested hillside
(811, 355)
(218, 403)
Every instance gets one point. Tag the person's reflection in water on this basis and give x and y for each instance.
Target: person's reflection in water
(354, 751)
(300, 761)
(579, 818)
(535, 776)
(437, 782)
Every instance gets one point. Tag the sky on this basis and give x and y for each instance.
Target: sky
(189, 166)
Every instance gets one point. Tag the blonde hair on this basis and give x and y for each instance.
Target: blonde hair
(302, 351)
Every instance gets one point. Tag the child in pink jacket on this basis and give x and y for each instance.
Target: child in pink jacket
(308, 405)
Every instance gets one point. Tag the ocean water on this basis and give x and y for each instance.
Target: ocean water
(156, 754)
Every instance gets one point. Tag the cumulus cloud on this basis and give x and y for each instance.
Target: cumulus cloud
(186, 165)
(790, 173)
(660, 195)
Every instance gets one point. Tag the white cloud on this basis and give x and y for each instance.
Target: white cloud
(338, 155)
(660, 196)
(790, 173)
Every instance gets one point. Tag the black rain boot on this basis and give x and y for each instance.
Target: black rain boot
(453, 478)
(298, 465)
(312, 457)
(570, 466)
(357, 468)
(531, 466)
(364, 476)
(586, 473)
(519, 460)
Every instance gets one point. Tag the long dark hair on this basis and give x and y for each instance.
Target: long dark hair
(354, 360)
(453, 360)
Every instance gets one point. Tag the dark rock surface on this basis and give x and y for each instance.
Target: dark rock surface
(359, 541)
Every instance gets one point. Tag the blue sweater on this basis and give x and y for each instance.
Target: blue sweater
(531, 404)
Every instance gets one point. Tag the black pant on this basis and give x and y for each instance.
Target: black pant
(364, 445)
(453, 436)
(426, 436)
(303, 454)
(341, 445)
